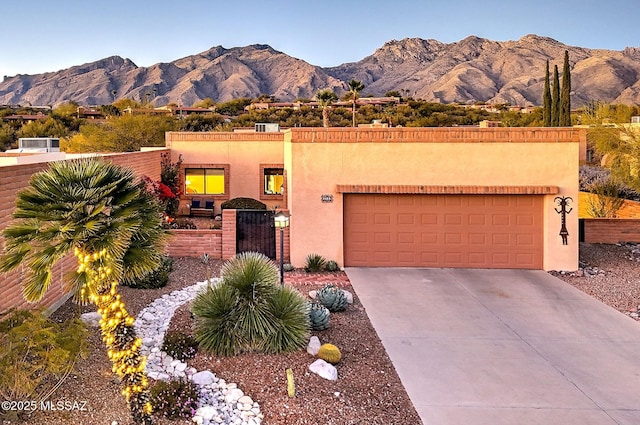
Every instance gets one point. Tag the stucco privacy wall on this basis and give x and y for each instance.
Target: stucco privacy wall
(317, 160)
(13, 178)
(242, 152)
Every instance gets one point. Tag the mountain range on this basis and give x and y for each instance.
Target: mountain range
(471, 70)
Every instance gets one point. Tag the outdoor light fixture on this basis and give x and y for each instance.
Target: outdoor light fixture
(281, 220)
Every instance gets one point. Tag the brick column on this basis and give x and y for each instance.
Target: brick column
(228, 234)
(286, 245)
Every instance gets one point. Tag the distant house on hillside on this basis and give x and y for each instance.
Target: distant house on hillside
(25, 117)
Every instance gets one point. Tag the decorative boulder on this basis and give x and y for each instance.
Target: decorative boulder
(91, 319)
(314, 345)
(324, 370)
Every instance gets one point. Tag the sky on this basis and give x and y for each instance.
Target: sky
(46, 36)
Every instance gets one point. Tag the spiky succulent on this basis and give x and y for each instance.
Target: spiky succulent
(318, 316)
(332, 297)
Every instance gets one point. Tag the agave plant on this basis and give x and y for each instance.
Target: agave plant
(332, 297)
(318, 316)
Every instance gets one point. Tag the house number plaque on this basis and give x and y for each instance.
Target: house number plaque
(326, 198)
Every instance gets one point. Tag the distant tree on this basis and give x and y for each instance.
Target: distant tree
(565, 96)
(127, 133)
(392, 93)
(7, 137)
(546, 99)
(207, 103)
(355, 87)
(123, 104)
(49, 127)
(68, 109)
(110, 110)
(199, 122)
(325, 98)
(234, 107)
(555, 99)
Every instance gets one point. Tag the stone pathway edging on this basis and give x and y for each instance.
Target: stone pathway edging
(220, 402)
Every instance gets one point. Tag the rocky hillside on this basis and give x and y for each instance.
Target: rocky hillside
(473, 69)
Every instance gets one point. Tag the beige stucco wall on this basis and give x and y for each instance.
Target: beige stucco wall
(243, 152)
(318, 159)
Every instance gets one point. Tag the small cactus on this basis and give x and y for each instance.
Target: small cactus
(291, 385)
(318, 316)
(332, 297)
(330, 353)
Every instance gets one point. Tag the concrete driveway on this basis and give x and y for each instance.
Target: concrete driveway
(503, 346)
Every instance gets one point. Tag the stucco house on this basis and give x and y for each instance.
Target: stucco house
(427, 197)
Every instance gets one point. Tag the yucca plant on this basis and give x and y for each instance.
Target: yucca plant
(248, 311)
(291, 319)
(314, 263)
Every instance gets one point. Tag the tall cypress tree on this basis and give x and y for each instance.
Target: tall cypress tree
(546, 100)
(565, 96)
(555, 98)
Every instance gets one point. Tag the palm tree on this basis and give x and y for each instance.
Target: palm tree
(101, 213)
(355, 87)
(325, 98)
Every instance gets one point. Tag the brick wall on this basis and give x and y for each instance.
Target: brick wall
(611, 230)
(16, 177)
(146, 163)
(194, 243)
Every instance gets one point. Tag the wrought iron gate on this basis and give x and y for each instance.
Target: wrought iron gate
(255, 231)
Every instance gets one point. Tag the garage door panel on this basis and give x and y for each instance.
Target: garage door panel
(496, 231)
(406, 218)
(428, 218)
(500, 220)
(476, 239)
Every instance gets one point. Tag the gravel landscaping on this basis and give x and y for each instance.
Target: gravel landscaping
(368, 390)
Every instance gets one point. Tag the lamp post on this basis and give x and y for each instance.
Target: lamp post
(281, 221)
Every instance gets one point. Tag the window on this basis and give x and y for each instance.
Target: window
(273, 181)
(204, 181)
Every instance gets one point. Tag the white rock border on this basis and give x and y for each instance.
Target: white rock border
(219, 402)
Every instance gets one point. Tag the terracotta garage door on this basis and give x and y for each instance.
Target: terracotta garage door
(483, 231)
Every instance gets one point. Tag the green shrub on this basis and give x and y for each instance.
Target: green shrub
(180, 346)
(36, 354)
(183, 223)
(243, 204)
(314, 263)
(156, 279)
(288, 267)
(176, 399)
(248, 311)
(331, 266)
